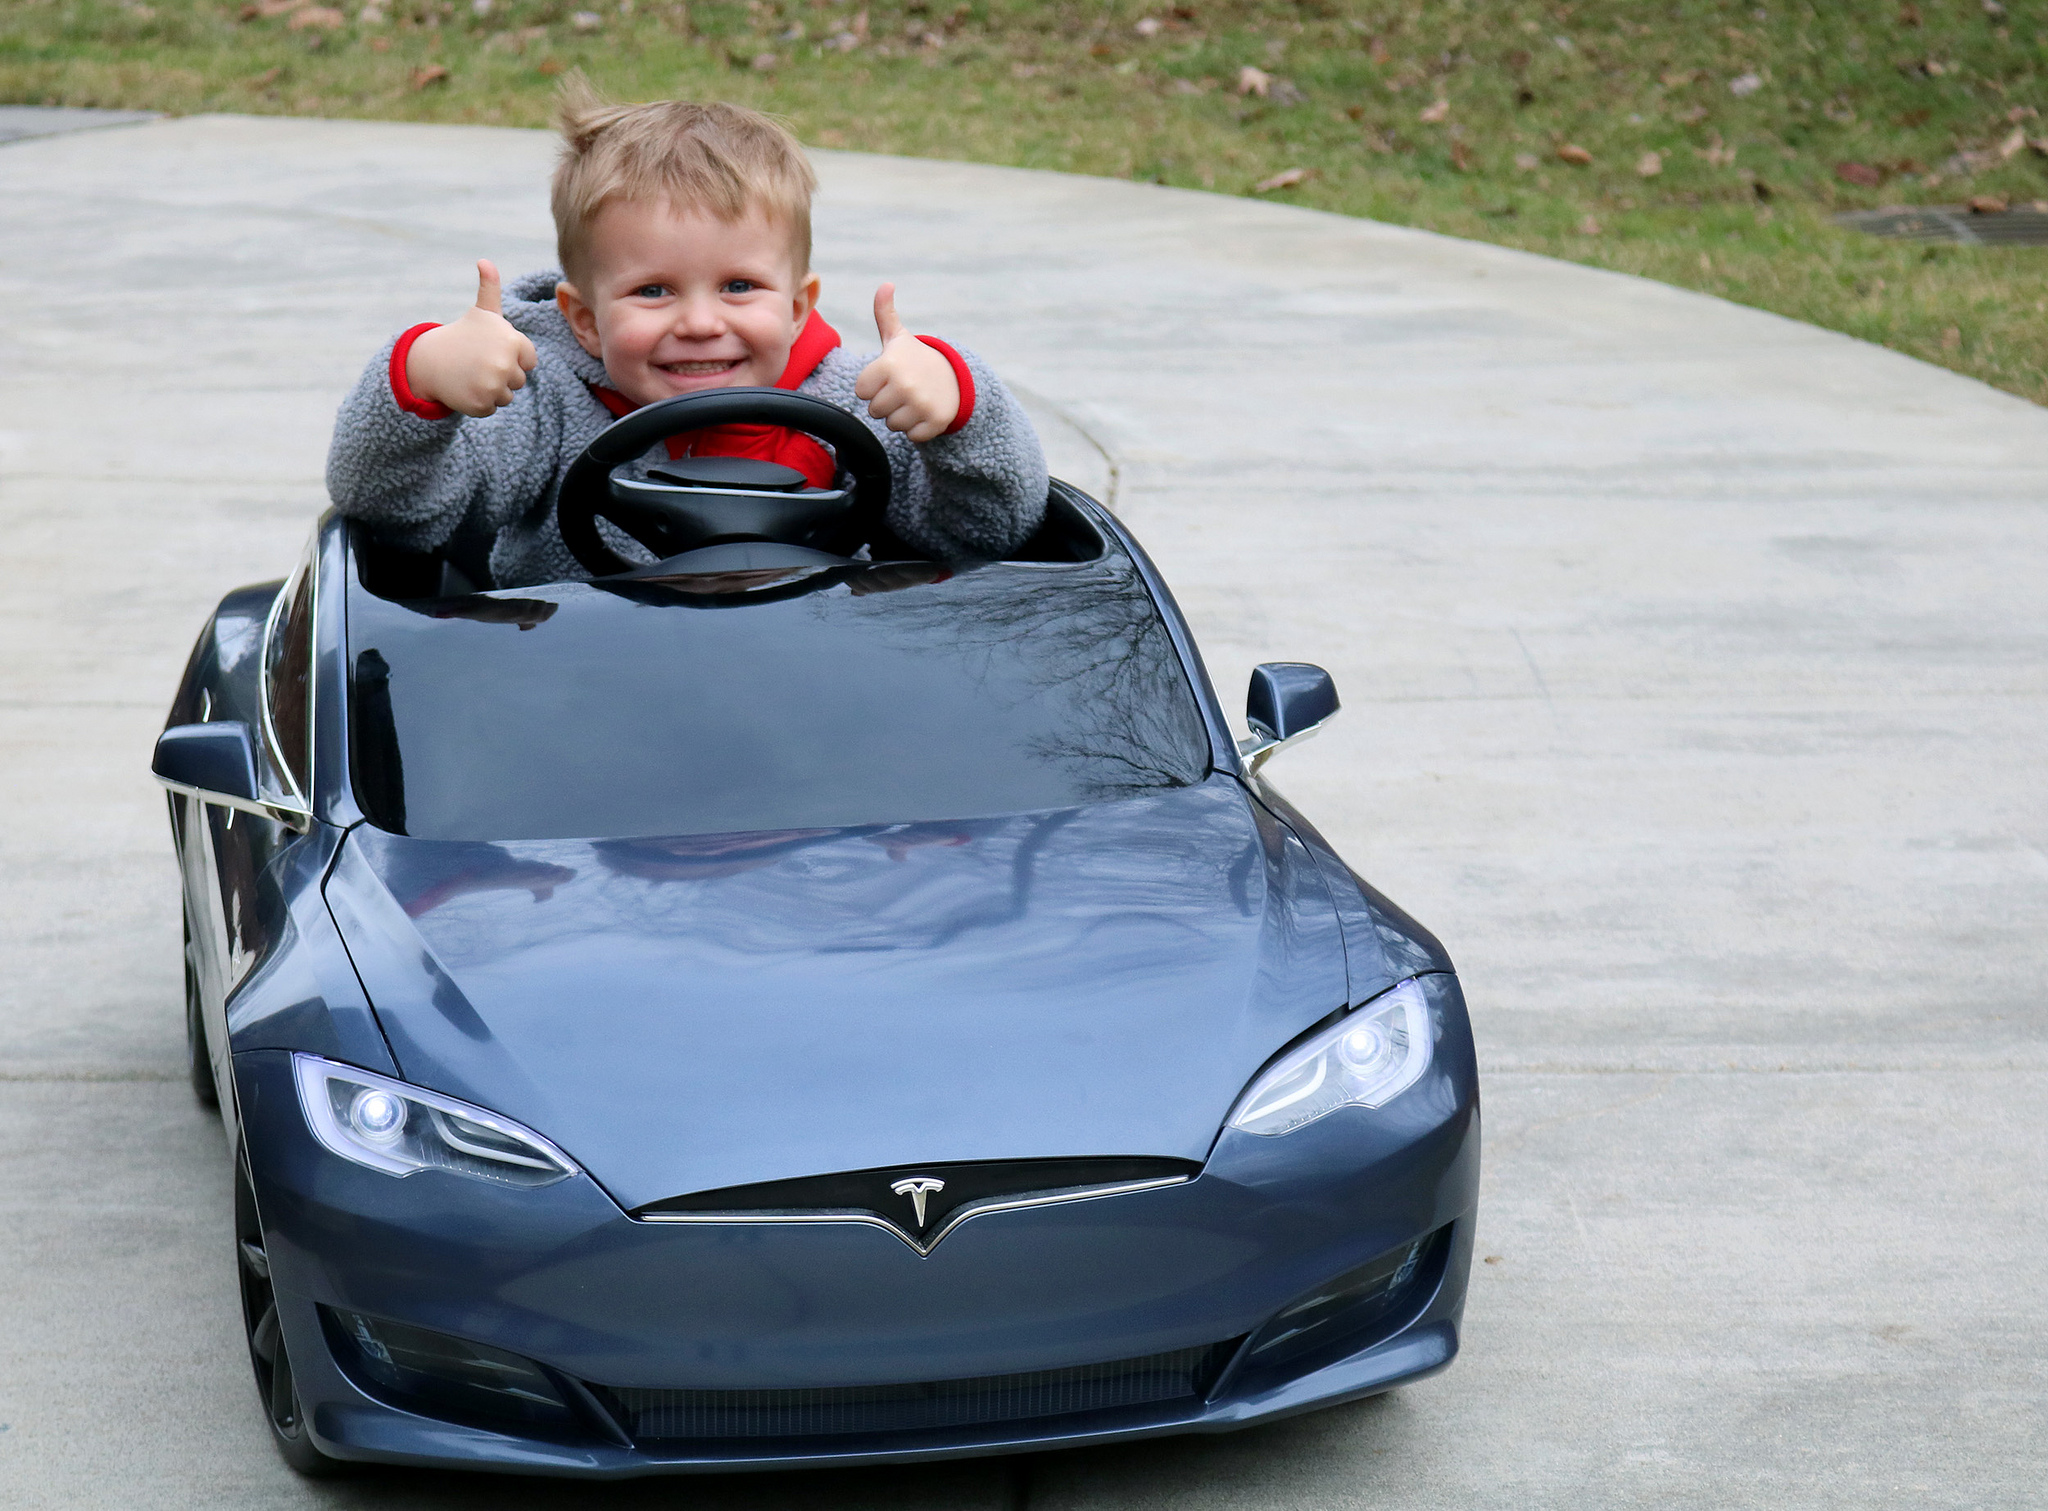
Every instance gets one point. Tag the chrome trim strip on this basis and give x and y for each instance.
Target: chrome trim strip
(275, 751)
(1256, 749)
(966, 1214)
(282, 813)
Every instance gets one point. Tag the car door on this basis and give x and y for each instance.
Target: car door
(241, 846)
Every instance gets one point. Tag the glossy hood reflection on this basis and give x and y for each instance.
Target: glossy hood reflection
(712, 1010)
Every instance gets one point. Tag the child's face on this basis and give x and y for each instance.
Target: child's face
(674, 302)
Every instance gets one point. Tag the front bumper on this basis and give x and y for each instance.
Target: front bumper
(612, 1306)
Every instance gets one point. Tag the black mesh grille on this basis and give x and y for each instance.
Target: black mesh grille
(1183, 1375)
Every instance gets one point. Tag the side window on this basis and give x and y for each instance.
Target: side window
(287, 671)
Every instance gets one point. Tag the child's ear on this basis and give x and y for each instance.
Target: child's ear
(806, 299)
(581, 317)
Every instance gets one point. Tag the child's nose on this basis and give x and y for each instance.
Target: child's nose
(699, 316)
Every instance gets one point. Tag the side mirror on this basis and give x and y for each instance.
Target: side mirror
(1287, 701)
(212, 761)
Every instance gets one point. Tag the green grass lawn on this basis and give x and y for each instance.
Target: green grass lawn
(1703, 144)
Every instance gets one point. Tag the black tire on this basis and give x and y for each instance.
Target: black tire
(276, 1388)
(198, 1057)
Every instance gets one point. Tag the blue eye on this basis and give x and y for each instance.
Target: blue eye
(649, 291)
(741, 286)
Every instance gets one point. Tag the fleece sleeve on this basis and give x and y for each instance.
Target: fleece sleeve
(421, 481)
(978, 491)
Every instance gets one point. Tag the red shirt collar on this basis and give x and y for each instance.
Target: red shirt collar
(807, 351)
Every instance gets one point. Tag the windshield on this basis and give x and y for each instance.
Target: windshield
(765, 701)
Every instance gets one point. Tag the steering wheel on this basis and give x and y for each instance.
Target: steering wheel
(699, 501)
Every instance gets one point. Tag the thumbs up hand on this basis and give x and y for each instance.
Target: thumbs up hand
(477, 363)
(909, 387)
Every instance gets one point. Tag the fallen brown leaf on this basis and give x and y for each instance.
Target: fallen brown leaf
(1283, 180)
(266, 78)
(2020, 113)
(433, 73)
(1432, 115)
(269, 8)
(550, 66)
(1528, 162)
(380, 44)
(1951, 339)
(1909, 14)
(1589, 227)
(1862, 175)
(763, 62)
(2014, 141)
(1461, 157)
(325, 17)
(1252, 80)
(1649, 165)
(1676, 78)
(1987, 204)
(1573, 153)
(1690, 116)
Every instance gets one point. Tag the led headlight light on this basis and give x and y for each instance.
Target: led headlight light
(400, 1129)
(1366, 1059)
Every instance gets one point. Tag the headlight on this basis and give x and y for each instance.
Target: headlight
(400, 1129)
(1366, 1059)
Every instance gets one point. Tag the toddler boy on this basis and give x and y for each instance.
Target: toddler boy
(684, 235)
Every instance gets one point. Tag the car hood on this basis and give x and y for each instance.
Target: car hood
(686, 1014)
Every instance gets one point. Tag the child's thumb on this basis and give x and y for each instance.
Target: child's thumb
(887, 322)
(488, 295)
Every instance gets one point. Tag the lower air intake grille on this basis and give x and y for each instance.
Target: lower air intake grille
(1183, 1375)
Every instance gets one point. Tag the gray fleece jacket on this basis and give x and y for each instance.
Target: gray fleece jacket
(490, 485)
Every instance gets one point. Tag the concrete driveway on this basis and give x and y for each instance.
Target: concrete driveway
(1694, 671)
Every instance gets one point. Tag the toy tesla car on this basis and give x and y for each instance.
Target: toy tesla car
(792, 1003)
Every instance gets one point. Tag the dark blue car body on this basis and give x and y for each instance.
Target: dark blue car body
(1054, 1005)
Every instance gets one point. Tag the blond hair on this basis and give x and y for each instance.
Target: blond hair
(724, 159)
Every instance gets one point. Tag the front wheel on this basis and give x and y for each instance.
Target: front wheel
(275, 1386)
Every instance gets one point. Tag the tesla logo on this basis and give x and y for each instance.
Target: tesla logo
(917, 1188)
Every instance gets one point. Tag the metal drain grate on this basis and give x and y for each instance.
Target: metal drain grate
(1953, 223)
(684, 1415)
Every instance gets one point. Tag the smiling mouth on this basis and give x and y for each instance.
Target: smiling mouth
(701, 369)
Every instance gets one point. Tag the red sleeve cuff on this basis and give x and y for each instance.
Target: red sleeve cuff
(961, 376)
(401, 391)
